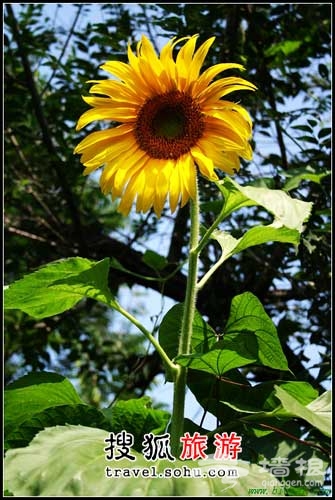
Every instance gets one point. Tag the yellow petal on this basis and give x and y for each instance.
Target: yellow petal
(118, 114)
(205, 164)
(233, 118)
(175, 187)
(132, 162)
(97, 155)
(229, 163)
(184, 60)
(127, 198)
(128, 75)
(101, 136)
(147, 53)
(222, 87)
(187, 173)
(164, 169)
(199, 58)
(207, 76)
(117, 90)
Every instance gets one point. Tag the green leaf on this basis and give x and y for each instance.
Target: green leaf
(211, 392)
(288, 212)
(234, 199)
(137, 417)
(70, 461)
(203, 336)
(304, 128)
(276, 447)
(59, 286)
(296, 175)
(317, 413)
(56, 415)
(34, 393)
(154, 260)
(247, 314)
(250, 337)
(254, 236)
(232, 352)
(262, 397)
(324, 132)
(286, 47)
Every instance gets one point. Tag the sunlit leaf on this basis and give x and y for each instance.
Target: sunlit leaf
(286, 47)
(76, 414)
(255, 236)
(247, 314)
(60, 285)
(287, 211)
(317, 413)
(203, 336)
(70, 461)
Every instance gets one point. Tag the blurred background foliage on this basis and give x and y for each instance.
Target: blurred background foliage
(52, 211)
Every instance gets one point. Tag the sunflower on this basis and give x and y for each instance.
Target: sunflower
(169, 122)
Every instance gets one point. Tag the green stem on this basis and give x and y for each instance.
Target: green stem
(177, 421)
(206, 237)
(150, 337)
(209, 273)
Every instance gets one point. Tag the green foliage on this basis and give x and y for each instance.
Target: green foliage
(33, 393)
(137, 416)
(40, 400)
(249, 337)
(203, 335)
(317, 413)
(288, 212)
(58, 286)
(67, 460)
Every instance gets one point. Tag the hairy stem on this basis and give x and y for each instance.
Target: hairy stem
(177, 422)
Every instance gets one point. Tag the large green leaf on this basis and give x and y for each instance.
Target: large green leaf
(203, 336)
(34, 393)
(210, 390)
(306, 464)
(262, 397)
(70, 461)
(254, 236)
(260, 404)
(317, 413)
(249, 337)
(233, 352)
(247, 314)
(295, 401)
(77, 414)
(137, 416)
(59, 286)
(288, 212)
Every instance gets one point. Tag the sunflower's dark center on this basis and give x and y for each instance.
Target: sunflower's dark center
(168, 125)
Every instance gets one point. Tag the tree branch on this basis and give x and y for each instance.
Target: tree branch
(80, 6)
(56, 163)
